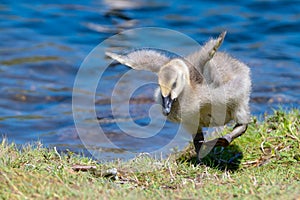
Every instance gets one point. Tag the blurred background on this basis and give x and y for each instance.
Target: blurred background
(43, 43)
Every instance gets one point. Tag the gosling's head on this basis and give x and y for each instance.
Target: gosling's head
(172, 79)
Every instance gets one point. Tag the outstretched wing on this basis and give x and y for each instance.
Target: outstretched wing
(142, 59)
(207, 51)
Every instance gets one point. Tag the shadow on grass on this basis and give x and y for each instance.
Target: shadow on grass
(220, 158)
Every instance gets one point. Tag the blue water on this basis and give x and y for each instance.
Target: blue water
(43, 43)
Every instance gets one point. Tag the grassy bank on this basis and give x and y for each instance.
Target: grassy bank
(263, 163)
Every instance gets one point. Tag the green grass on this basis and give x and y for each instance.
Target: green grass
(262, 164)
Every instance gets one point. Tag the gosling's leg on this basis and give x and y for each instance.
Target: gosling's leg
(224, 141)
(198, 141)
(237, 131)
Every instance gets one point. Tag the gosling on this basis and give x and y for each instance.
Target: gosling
(204, 89)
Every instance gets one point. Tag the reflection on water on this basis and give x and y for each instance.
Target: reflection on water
(43, 44)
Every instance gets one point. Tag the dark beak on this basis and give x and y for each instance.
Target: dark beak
(167, 104)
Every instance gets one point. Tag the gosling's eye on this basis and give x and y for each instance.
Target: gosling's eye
(174, 85)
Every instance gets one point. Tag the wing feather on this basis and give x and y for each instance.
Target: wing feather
(206, 52)
(142, 59)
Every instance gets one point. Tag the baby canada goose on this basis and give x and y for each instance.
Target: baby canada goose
(204, 89)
